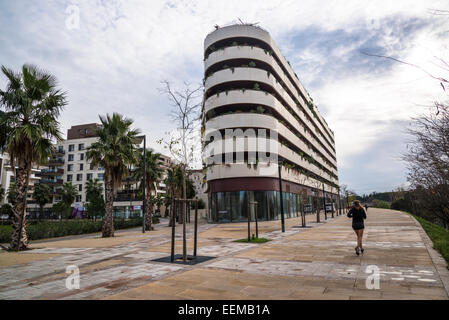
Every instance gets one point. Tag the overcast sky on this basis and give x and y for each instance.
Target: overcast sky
(115, 60)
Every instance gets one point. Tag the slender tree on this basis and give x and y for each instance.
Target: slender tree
(185, 114)
(42, 195)
(153, 175)
(173, 181)
(427, 160)
(115, 149)
(30, 105)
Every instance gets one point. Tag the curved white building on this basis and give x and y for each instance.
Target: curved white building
(249, 85)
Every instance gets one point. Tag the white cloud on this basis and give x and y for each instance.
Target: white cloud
(123, 49)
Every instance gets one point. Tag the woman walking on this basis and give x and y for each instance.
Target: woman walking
(358, 214)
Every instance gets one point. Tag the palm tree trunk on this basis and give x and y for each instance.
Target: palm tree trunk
(108, 225)
(19, 239)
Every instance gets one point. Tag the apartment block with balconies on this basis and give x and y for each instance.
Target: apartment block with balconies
(249, 84)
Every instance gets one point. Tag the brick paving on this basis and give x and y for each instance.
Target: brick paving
(303, 263)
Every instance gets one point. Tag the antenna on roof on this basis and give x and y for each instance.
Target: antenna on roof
(248, 23)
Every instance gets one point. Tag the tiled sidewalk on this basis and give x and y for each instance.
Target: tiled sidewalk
(312, 263)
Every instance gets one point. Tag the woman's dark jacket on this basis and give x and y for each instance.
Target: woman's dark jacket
(357, 215)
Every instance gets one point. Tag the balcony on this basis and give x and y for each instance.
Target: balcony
(50, 172)
(55, 162)
(128, 195)
(59, 152)
(57, 182)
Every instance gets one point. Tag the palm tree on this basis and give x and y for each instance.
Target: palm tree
(94, 196)
(42, 195)
(152, 177)
(115, 148)
(28, 126)
(69, 194)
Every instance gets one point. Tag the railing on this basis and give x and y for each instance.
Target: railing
(51, 182)
(128, 196)
(56, 161)
(50, 172)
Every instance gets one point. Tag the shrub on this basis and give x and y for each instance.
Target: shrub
(52, 229)
(380, 204)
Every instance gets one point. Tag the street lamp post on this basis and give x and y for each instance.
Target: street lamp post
(282, 201)
(324, 204)
(144, 180)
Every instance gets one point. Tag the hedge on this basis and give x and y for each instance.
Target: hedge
(52, 229)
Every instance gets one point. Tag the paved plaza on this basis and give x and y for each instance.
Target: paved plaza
(303, 263)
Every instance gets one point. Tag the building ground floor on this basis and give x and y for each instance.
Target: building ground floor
(231, 200)
(121, 210)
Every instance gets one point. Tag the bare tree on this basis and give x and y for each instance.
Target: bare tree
(185, 114)
(427, 159)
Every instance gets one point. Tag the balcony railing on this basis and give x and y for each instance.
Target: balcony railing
(60, 151)
(50, 172)
(56, 161)
(51, 182)
(128, 195)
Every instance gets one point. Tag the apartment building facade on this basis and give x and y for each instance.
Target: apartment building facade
(7, 179)
(250, 85)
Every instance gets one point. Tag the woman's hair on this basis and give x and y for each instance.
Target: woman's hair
(357, 204)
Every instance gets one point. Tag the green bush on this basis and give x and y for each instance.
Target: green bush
(5, 233)
(52, 229)
(380, 204)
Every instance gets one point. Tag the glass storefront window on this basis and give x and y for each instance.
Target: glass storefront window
(233, 206)
(224, 206)
(239, 208)
(261, 198)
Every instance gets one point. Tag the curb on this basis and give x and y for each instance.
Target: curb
(438, 261)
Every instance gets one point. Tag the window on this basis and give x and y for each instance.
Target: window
(100, 176)
(70, 167)
(81, 156)
(89, 176)
(81, 167)
(78, 199)
(79, 177)
(71, 147)
(60, 149)
(100, 168)
(69, 177)
(71, 157)
(80, 187)
(81, 146)
(91, 167)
